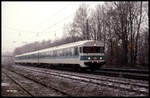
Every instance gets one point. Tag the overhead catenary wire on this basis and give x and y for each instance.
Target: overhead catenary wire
(56, 23)
(48, 28)
(19, 30)
(58, 12)
(61, 10)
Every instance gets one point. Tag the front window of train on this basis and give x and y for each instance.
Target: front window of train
(92, 53)
(93, 49)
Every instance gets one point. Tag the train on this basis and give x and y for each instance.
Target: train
(87, 54)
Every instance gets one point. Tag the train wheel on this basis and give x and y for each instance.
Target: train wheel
(92, 69)
(82, 69)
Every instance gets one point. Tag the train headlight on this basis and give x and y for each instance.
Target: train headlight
(89, 58)
(100, 58)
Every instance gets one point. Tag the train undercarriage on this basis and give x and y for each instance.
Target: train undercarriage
(75, 67)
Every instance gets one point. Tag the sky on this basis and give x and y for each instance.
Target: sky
(27, 22)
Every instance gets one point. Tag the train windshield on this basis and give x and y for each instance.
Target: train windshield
(93, 49)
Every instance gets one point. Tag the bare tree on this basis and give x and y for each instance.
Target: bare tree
(80, 21)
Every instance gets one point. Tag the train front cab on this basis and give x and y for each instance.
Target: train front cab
(92, 57)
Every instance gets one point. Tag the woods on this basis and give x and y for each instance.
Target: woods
(123, 26)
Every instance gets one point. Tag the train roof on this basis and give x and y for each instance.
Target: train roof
(78, 43)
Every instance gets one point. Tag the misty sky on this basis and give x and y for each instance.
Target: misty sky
(26, 22)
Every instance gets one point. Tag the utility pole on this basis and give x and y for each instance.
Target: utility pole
(87, 30)
(15, 53)
(55, 36)
(38, 47)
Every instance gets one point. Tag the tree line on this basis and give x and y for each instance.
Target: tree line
(123, 26)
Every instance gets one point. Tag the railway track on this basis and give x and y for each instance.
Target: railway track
(33, 93)
(103, 78)
(144, 71)
(16, 82)
(113, 72)
(124, 74)
(116, 83)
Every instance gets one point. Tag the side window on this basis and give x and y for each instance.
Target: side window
(33, 55)
(72, 51)
(47, 53)
(57, 52)
(42, 54)
(54, 53)
(80, 49)
(63, 54)
(39, 55)
(66, 53)
(60, 52)
(69, 50)
(50, 53)
(76, 51)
